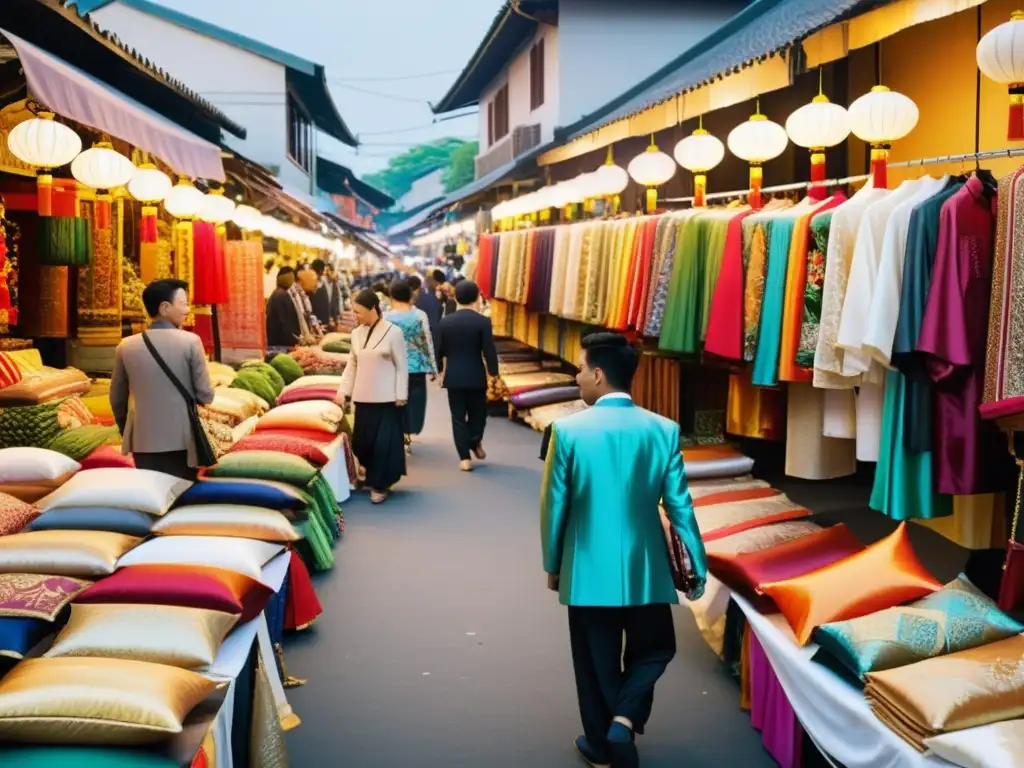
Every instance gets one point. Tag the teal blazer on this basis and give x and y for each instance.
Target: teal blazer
(606, 470)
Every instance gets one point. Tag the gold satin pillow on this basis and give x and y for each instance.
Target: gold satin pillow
(951, 693)
(881, 576)
(79, 554)
(161, 634)
(243, 522)
(97, 701)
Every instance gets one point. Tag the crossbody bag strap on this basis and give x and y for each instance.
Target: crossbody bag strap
(189, 399)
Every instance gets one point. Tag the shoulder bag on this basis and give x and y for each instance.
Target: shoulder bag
(206, 456)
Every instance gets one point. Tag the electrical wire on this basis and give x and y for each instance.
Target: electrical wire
(381, 95)
(414, 128)
(392, 79)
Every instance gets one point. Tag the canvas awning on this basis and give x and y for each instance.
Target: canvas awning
(71, 93)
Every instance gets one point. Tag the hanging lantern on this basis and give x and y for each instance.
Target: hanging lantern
(216, 208)
(102, 168)
(46, 144)
(699, 153)
(149, 185)
(246, 217)
(879, 118)
(611, 180)
(818, 126)
(1000, 55)
(184, 201)
(757, 141)
(651, 169)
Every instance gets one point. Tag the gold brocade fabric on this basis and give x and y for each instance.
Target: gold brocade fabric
(951, 693)
(755, 411)
(977, 522)
(550, 338)
(37, 596)
(533, 330)
(520, 323)
(268, 747)
(501, 318)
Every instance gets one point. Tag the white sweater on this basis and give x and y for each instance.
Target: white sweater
(377, 371)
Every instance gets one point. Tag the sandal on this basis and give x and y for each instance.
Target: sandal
(378, 497)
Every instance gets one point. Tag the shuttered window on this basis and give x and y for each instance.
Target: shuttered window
(537, 75)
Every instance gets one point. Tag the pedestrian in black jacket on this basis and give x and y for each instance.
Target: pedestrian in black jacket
(283, 328)
(464, 342)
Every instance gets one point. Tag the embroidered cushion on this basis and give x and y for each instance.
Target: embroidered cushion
(264, 465)
(243, 522)
(37, 388)
(10, 373)
(140, 489)
(127, 521)
(32, 465)
(762, 537)
(162, 634)
(97, 701)
(294, 446)
(15, 514)
(316, 415)
(81, 554)
(37, 595)
(194, 586)
(20, 634)
(728, 517)
(240, 555)
(885, 574)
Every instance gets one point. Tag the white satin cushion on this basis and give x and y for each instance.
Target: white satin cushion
(244, 556)
(30, 465)
(999, 745)
(318, 380)
(122, 488)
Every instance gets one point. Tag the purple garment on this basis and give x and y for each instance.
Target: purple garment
(953, 338)
(540, 271)
(770, 711)
(538, 397)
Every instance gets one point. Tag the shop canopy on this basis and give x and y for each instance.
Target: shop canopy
(336, 179)
(71, 93)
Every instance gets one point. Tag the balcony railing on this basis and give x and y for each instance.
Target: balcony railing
(523, 139)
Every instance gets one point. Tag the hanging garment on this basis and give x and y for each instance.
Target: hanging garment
(870, 406)
(1004, 361)
(814, 283)
(659, 300)
(977, 522)
(484, 260)
(659, 238)
(725, 316)
(641, 278)
(755, 412)
(559, 269)
(969, 455)
(809, 454)
(842, 239)
(575, 272)
(680, 331)
(622, 264)
(665, 237)
(840, 419)
(714, 255)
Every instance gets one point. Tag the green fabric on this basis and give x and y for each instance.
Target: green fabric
(265, 465)
(253, 381)
(714, 254)
(603, 536)
(287, 367)
(267, 371)
(81, 757)
(78, 443)
(30, 426)
(326, 504)
(810, 324)
(64, 241)
(339, 347)
(680, 330)
(769, 337)
(317, 553)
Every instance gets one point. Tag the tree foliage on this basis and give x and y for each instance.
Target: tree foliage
(461, 166)
(402, 170)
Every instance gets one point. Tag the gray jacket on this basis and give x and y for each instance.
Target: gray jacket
(149, 411)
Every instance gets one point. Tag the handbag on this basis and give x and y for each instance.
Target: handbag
(684, 577)
(206, 456)
(1011, 587)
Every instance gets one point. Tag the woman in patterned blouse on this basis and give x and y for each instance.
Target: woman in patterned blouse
(419, 344)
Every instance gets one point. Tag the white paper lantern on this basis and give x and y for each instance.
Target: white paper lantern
(758, 140)
(1000, 52)
(149, 184)
(43, 142)
(699, 152)
(611, 179)
(102, 167)
(184, 201)
(818, 125)
(652, 167)
(246, 217)
(882, 116)
(216, 208)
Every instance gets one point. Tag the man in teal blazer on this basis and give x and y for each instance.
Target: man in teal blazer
(605, 550)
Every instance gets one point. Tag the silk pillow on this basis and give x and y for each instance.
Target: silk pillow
(127, 521)
(885, 574)
(41, 756)
(34, 492)
(15, 514)
(83, 554)
(265, 465)
(161, 634)
(37, 596)
(108, 457)
(724, 519)
(141, 489)
(19, 635)
(32, 465)
(243, 522)
(318, 380)
(192, 586)
(97, 701)
(255, 493)
(240, 555)
(294, 446)
(998, 745)
(956, 618)
(305, 394)
(316, 415)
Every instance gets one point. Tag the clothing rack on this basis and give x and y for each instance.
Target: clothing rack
(941, 160)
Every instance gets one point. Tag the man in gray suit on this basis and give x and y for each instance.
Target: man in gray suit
(155, 426)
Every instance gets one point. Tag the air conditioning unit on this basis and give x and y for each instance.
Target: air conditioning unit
(525, 138)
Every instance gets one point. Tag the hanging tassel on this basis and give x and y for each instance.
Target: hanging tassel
(880, 166)
(651, 198)
(44, 188)
(1015, 130)
(756, 182)
(700, 188)
(101, 211)
(819, 192)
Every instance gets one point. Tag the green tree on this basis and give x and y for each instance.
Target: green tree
(404, 169)
(461, 166)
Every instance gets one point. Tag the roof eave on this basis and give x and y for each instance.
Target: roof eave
(334, 178)
(316, 96)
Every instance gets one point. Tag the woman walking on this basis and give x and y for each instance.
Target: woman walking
(419, 349)
(376, 381)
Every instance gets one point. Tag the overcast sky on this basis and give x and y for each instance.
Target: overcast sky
(361, 42)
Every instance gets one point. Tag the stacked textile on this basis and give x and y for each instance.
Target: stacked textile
(314, 360)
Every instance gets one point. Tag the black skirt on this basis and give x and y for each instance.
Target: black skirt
(414, 414)
(378, 441)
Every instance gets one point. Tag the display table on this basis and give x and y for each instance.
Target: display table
(336, 471)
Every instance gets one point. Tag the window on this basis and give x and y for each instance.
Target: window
(537, 75)
(490, 123)
(500, 112)
(300, 135)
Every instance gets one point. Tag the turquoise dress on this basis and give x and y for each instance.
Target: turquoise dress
(766, 359)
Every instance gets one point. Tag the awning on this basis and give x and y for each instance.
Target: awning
(362, 236)
(336, 179)
(72, 93)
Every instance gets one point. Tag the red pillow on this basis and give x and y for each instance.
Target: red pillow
(10, 373)
(192, 586)
(107, 456)
(295, 446)
(312, 435)
(302, 394)
(15, 514)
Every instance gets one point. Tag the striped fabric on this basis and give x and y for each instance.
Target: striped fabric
(10, 373)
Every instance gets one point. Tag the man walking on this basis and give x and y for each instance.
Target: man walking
(605, 550)
(157, 429)
(427, 300)
(464, 341)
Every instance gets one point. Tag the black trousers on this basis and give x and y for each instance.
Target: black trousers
(169, 462)
(469, 418)
(615, 682)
